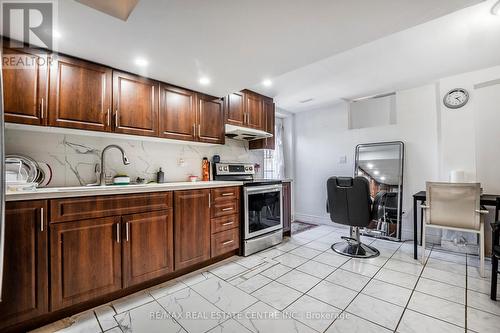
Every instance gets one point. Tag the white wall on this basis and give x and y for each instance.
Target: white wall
(437, 140)
(322, 138)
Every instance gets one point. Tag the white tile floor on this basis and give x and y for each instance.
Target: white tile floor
(302, 286)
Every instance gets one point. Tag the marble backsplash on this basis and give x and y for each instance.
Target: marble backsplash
(72, 157)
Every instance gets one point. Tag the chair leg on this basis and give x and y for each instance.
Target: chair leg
(481, 250)
(423, 243)
(494, 272)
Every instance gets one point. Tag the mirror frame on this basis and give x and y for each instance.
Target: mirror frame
(400, 185)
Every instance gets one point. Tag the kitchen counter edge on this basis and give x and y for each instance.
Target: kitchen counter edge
(75, 192)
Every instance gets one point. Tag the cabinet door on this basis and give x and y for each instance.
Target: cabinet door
(25, 276)
(177, 113)
(135, 102)
(269, 114)
(25, 86)
(148, 250)
(80, 94)
(254, 114)
(85, 260)
(287, 207)
(191, 227)
(235, 109)
(210, 118)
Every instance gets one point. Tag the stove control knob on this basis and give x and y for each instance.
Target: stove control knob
(246, 169)
(225, 168)
(220, 168)
(250, 168)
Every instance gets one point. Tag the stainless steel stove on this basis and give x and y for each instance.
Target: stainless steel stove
(262, 213)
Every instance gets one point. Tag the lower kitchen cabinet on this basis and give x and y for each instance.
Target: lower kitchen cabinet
(25, 275)
(192, 227)
(287, 207)
(148, 250)
(85, 260)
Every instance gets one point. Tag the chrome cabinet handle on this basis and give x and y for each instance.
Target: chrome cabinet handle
(108, 121)
(228, 223)
(118, 232)
(226, 194)
(116, 118)
(194, 129)
(228, 242)
(226, 209)
(209, 200)
(42, 222)
(199, 130)
(127, 231)
(41, 109)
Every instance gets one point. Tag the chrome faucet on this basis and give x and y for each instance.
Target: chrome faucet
(102, 178)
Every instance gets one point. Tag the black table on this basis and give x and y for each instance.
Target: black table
(486, 200)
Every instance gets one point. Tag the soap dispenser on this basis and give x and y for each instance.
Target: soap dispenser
(160, 177)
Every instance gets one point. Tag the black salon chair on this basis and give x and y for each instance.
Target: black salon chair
(349, 203)
(495, 255)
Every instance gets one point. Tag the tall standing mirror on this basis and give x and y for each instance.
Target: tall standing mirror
(382, 164)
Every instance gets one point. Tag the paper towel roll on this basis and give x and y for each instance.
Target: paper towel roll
(457, 176)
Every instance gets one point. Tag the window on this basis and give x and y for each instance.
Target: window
(274, 161)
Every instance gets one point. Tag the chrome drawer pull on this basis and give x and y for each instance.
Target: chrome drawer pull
(127, 231)
(118, 232)
(228, 242)
(228, 223)
(226, 194)
(226, 209)
(42, 222)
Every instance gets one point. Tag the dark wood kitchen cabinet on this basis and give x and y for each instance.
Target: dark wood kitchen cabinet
(191, 227)
(25, 86)
(148, 250)
(287, 207)
(177, 113)
(85, 260)
(269, 113)
(135, 104)
(254, 111)
(210, 119)
(235, 109)
(25, 275)
(79, 94)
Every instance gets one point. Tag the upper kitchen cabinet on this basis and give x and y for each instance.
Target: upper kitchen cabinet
(254, 113)
(235, 109)
(135, 104)
(269, 113)
(210, 118)
(177, 113)
(79, 94)
(25, 86)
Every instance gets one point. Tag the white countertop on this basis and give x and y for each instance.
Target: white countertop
(85, 191)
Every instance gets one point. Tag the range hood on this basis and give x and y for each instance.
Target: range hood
(246, 134)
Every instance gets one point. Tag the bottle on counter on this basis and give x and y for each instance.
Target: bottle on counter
(160, 177)
(205, 170)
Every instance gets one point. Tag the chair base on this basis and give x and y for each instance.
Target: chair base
(355, 250)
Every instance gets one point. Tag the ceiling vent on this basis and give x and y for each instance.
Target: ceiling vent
(117, 8)
(306, 100)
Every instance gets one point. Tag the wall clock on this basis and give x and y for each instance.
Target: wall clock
(456, 98)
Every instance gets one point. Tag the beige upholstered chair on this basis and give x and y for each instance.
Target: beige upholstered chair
(455, 206)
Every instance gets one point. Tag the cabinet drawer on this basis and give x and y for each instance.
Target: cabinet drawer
(225, 223)
(225, 194)
(225, 241)
(73, 209)
(225, 208)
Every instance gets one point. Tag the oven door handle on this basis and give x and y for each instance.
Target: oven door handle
(262, 189)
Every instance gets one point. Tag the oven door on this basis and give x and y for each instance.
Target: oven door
(263, 209)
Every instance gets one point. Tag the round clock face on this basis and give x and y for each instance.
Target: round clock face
(456, 98)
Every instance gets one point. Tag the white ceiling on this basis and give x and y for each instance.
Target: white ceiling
(463, 41)
(238, 43)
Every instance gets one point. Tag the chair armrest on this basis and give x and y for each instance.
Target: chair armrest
(495, 226)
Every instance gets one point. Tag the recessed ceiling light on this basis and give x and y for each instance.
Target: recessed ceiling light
(141, 62)
(382, 178)
(369, 166)
(495, 10)
(204, 80)
(267, 83)
(376, 172)
(56, 34)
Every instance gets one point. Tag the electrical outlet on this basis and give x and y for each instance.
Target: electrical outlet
(343, 159)
(181, 162)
